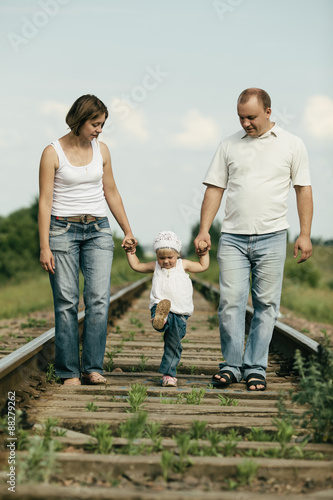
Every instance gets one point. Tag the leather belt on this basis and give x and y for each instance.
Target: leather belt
(84, 219)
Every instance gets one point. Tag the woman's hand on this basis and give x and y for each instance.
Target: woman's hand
(129, 244)
(46, 260)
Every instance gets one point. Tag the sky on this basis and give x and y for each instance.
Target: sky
(170, 73)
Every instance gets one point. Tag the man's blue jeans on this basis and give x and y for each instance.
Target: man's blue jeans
(174, 331)
(239, 256)
(88, 247)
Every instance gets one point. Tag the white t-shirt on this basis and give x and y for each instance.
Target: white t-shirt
(257, 171)
(173, 284)
(79, 190)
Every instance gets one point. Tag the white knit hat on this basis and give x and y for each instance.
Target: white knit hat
(167, 239)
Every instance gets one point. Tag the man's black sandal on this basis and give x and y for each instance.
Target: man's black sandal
(257, 380)
(228, 375)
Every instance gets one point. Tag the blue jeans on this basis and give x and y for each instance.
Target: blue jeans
(174, 331)
(239, 256)
(88, 247)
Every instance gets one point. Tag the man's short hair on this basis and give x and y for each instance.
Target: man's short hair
(260, 94)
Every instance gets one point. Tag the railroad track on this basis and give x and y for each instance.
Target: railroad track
(134, 439)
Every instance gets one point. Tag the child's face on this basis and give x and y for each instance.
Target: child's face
(167, 258)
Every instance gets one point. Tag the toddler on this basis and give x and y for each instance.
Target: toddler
(171, 297)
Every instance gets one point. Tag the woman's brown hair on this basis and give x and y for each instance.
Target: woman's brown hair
(86, 107)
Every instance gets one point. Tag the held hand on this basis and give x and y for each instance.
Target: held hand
(202, 243)
(303, 243)
(129, 244)
(46, 260)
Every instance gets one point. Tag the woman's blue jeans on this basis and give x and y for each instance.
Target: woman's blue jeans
(240, 256)
(88, 247)
(174, 331)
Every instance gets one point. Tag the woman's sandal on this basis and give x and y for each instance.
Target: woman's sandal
(93, 378)
(257, 379)
(227, 375)
(72, 381)
(161, 314)
(168, 381)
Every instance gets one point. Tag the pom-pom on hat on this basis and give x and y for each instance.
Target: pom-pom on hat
(167, 239)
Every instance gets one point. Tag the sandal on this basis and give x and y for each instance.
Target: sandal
(257, 379)
(161, 314)
(72, 381)
(93, 378)
(168, 381)
(228, 375)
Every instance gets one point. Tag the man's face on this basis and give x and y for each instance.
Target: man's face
(254, 119)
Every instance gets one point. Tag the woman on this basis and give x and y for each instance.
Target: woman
(76, 186)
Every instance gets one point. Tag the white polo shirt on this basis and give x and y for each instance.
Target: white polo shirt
(257, 171)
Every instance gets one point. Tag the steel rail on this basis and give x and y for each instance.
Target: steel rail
(285, 340)
(36, 354)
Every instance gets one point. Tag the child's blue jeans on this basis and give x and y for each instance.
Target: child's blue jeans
(174, 331)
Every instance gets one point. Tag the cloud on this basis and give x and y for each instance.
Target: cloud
(124, 119)
(199, 131)
(318, 116)
(53, 107)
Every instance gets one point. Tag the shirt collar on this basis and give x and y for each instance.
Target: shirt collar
(274, 130)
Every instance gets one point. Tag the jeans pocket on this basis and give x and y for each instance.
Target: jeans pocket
(59, 237)
(103, 226)
(58, 230)
(102, 235)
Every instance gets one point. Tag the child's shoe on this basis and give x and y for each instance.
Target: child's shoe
(168, 381)
(161, 314)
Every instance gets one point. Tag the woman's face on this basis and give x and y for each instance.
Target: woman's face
(92, 128)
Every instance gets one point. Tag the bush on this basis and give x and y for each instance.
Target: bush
(305, 273)
(315, 394)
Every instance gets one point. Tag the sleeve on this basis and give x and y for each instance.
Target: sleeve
(300, 171)
(217, 173)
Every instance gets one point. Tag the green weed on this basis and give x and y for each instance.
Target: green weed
(33, 323)
(51, 374)
(226, 401)
(198, 429)
(315, 394)
(142, 364)
(246, 472)
(104, 438)
(137, 395)
(167, 461)
(90, 406)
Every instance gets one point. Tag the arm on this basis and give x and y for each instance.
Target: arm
(210, 205)
(48, 165)
(305, 212)
(114, 200)
(197, 267)
(140, 267)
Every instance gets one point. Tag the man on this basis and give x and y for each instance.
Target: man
(256, 168)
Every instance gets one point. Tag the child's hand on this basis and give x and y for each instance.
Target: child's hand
(202, 247)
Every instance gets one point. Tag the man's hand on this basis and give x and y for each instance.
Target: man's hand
(202, 243)
(303, 244)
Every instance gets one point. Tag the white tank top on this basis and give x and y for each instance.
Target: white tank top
(79, 190)
(173, 284)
